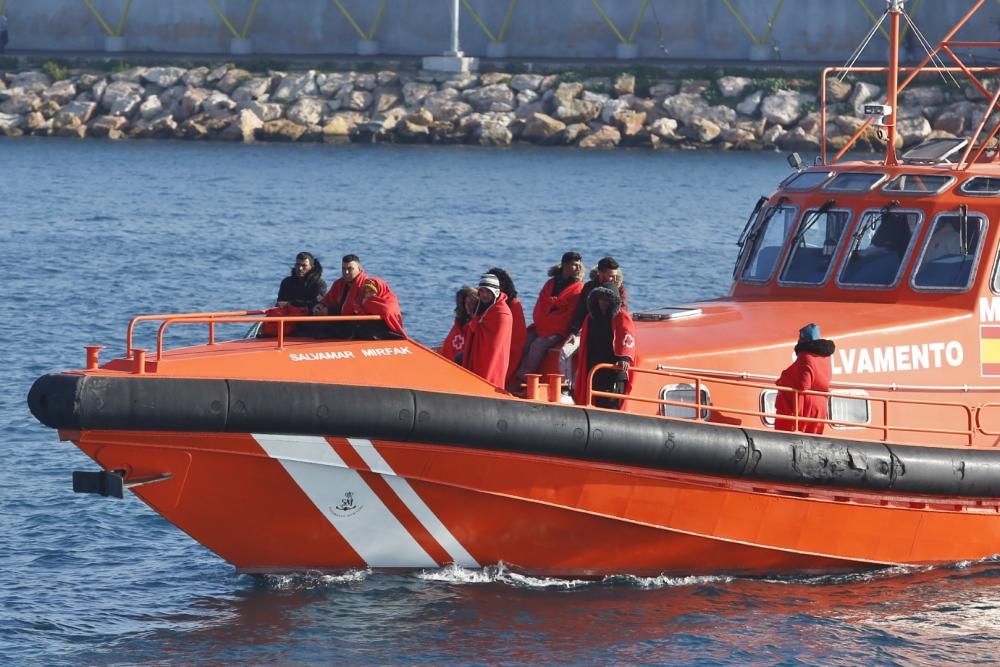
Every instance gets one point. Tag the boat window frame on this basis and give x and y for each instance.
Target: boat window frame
(788, 181)
(853, 394)
(961, 188)
(706, 406)
(883, 177)
(910, 249)
(782, 249)
(950, 181)
(984, 230)
(833, 260)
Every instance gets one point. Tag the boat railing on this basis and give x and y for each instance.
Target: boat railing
(711, 411)
(947, 47)
(230, 317)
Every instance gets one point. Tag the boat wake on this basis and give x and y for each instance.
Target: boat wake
(501, 574)
(309, 580)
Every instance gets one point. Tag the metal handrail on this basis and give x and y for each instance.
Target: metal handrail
(250, 318)
(129, 331)
(972, 418)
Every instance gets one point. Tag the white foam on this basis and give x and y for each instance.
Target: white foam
(663, 581)
(307, 580)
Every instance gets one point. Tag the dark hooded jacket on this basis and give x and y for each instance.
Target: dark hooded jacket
(812, 370)
(604, 339)
(304, 292)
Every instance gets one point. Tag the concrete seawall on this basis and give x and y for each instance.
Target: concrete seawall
(803, 30)
(642, 108)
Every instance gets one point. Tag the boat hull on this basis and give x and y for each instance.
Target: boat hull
(278, 503)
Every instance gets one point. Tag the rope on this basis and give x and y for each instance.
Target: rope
(861, 47)
(250, 18)
(902, 33)
(121, 23)
(929, 50)
(659, 31)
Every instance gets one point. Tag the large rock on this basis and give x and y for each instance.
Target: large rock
(36, 123)
(306, 111)
(684, 107)
(408, 132)
(255, 88)
(354, 100)
(797, 139)
(863, 92)
(190, 103)
(750, 103)
(294, 86)
(243, 128)
(624, 84)
(232, 80)
(21, 103)
(280, 130)
(218, 104)
(332, 83)
(81, 112)
(732, 86)
(107, 126)
(195, 78)
(837, 90)
(631, 123)
(446, 106)
(611, 107)
(566, 92)
(922, 96)
(120, 96)
(164, 77)
(414, 92)
(366, 82)
(913, 130)
(540, 128)
(603, 137)
(342, 123)
(665, 128)
(151, 107)
(785, 106)
(10, 124)
(60, 92)
(391, 117)
(496, 97)
(663, 89)
(492, 133)
(266, 111)
(31, 82)
(385, 98)
(701, 130)
(951, 122)
(521, 82)
(130, 75)
(161, 127)
(577, 111)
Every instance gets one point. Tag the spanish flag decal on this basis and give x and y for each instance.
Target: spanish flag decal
(989, 350)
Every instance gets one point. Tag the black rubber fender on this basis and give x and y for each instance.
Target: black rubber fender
(940, 471)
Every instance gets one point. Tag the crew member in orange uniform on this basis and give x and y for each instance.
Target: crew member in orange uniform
(487, 350)
(812, 370)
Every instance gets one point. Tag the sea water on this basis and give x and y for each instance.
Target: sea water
(92, 233)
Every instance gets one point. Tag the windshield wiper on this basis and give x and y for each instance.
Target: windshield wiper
(753, 215)
(811, 219)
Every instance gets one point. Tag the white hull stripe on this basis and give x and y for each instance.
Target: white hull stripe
(366, 450)
(346, 500)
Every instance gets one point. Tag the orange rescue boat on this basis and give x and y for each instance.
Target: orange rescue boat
(295, 453)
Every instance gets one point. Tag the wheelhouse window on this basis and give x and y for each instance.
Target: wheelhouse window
(918, 184)
(879, 248)
(767, 238)
(981, 186)
(684, 393)
(814, 246)
(854, 181)
(807, 180)
(951, 252)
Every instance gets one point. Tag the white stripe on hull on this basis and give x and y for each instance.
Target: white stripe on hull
(414, 502)
(346, 500)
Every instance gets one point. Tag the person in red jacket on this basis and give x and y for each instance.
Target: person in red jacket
(466, 300)
(377, 298)
(346, 291)
(553, 312)
(607, 337)
(519, 330)
(812, 370)
(487, 349)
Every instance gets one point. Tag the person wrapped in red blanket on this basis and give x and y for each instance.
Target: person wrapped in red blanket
(377, 299)
(453, 347)
(487, 350)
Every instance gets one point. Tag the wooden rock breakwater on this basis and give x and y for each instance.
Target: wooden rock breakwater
(226, 103)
